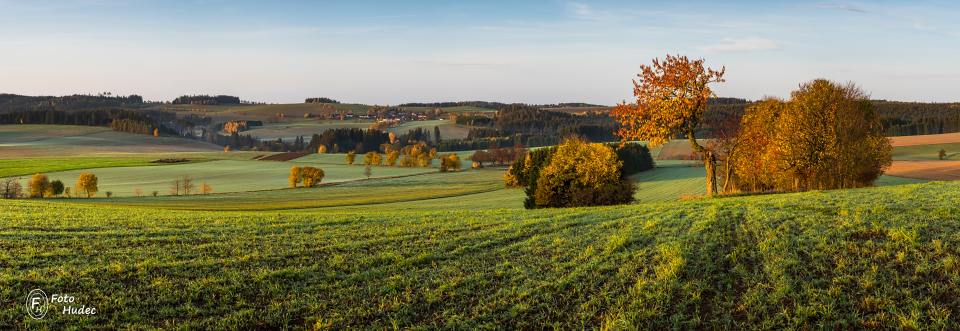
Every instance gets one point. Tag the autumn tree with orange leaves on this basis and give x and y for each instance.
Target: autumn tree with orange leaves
(671, 101)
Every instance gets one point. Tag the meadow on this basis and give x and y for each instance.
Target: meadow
(222, 175)
(28, 141)
(835, 260)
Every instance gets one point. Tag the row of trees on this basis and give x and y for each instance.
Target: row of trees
(497, 156)
(40, 186)
(321, 100)
(826, 136)
(184, 185)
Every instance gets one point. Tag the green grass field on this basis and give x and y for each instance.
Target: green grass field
(836, 260)
(25, 141)
(409, 187)
(448, 129)
(222, 175)
(926, 152)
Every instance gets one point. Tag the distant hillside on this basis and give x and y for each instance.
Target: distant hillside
(13, 102)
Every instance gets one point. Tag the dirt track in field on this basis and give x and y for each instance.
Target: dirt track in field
(929, 139)
(933, 169)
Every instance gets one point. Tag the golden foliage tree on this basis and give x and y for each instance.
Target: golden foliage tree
(295, 177)
(826, 136)
(351, 157)
(392, 157)
(581, 173)
(322, 149)
(753, 163)
(86, 184)
(671, 99)
(372, 158)
(450, 162)
(39, 185)
(311, 176)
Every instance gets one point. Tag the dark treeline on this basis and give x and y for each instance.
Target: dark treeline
(132, 126)
(18, 103)
(897, 118)
(494, 105)
(338, 140)
(478, 104)
(915, 118)
(126, 120)
(206, 100)
(320, 100)
(533, 126)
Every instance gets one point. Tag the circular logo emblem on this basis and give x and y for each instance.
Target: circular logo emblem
(37, 304)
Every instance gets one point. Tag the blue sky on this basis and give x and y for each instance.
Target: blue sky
(389, 52)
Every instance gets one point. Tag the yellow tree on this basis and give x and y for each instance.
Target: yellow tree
(351, 157)
(295, 176)
(311, 176)
(671, 99)
(87, 184)
(39, 185)
(392, 157)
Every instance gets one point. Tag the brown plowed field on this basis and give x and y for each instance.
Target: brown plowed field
(929, 139)
(933, 169)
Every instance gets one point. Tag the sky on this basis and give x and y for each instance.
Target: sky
(390, 52)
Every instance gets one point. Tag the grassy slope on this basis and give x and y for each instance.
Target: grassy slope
(22, 141)
(448, 129)
(839, 259)
(222, 175)
(356, 193)
(926, 152)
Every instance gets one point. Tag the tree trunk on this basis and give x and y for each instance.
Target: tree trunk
(709, 162)
(728, 171)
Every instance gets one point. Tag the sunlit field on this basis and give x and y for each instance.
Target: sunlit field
(850, 259)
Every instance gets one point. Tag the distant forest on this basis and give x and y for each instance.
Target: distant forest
(320, 100)
(898, 118)
(15, 103)
(206, 100)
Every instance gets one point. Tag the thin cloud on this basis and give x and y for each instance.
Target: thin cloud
(586, 12)
(841, 6)
(742, 45)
